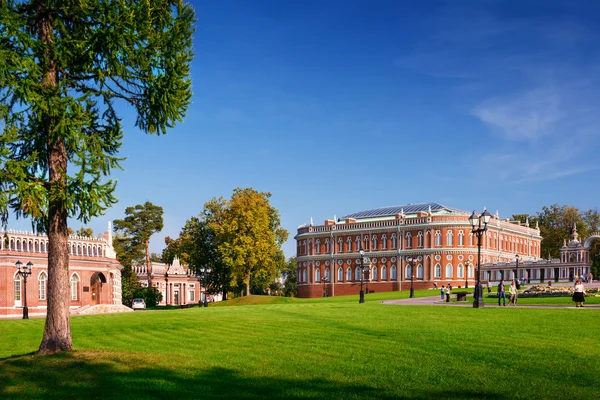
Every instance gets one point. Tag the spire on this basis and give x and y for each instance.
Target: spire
(311, 221)
(527, 221)
(430, 209)
(110, 229)
(497, 215)
(402, 211)
(335, 218)
(574, 234)
(537, 225)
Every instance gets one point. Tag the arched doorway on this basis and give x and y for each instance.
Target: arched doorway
(96, 287)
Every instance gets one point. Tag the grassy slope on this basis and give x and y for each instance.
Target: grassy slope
(318, 348)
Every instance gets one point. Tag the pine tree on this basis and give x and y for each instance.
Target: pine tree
(65, 67)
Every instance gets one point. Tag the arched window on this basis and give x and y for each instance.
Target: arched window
(449, 271)
(317, 275)
(349, 245)
(366, 243)
(326, 245)
(17, 290)
(438, 238)
(461, 238)
(374, 243)
(384, 242)
(340, 245)
(348, 274)
(460, 272)
(408, 240)
(317, 246)
(384, 273)
(358, 246)
(394, 244)
(470, 270)
(305, 276)
(489, 240)
(420, 238)
(419, 271)
(18, 245)
(438, 271)
(374, 274)
(340, 274)
(449, 238)
(327, 276)
(393, 272)
(42, 282)
(357, 274)
(74, 287)
(408, 271)
(471, 239)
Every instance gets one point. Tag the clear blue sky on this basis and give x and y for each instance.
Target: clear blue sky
(338, 106)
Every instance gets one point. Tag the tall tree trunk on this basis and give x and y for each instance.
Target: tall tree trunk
(248, 285)
(57, 331)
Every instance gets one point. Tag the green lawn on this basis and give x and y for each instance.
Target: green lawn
(312, 348)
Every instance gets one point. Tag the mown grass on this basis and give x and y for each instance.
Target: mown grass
(312, 348)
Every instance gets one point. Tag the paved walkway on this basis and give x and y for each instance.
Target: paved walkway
(437, 301)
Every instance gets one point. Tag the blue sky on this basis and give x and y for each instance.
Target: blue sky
(338, 106)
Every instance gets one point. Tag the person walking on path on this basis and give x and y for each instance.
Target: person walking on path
(489, 288)
(579, 293)
(514, 292)
(591, 278)
(501, 292)
(448, 289)
(442, 292)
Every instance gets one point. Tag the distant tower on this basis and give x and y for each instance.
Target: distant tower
(110, 238)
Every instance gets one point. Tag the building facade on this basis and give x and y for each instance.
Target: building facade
(94, 272)
(437, 238)
(574, 261)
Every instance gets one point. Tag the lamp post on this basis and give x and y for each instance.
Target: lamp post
(202, 276)
(364, 264)
(467, 264)
(517, 268)
(412, 262)
(24, 271)
(167, 287)
(479, 226)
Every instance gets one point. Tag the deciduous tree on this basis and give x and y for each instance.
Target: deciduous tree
(65, 66)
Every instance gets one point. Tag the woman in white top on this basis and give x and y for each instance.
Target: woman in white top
(579, 293)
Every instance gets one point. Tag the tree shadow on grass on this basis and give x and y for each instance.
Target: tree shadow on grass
(77, 375)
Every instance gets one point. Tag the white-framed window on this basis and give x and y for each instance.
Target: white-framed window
(449, 271)
(384, 242)
(374, 274)
(74, 287)
(419, 271)
(358, 246)
(357, 274)
(408, 240)
(366, 243)
(471, 239)
(449, 238)
(326, 245)
(349, 245)
(327, 275)
(42, 285)
(17, 290)
(470, 270)
(461, 238)
(420, 239)
(460, 271)
(438, 238)
(191, 295)
(317, 246)
(305, 276)
(489, 240)
(340, 245)
(317, 275)
(340, 274)
(437, 271)
(384, 273)
(349, 274)
(408, 271)
(393, 272)
(374, 243)
(394, 242)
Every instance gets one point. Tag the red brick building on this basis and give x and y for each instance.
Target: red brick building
(438, 237)
(94, 272)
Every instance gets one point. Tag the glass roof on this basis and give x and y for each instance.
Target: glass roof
(407, 208)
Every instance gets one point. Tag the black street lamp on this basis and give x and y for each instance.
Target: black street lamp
(412, 262)
(167, 287)
(364, 265)
(202, 276)
(467, 264)
(24, 271)
(479, 226)
(517, 268)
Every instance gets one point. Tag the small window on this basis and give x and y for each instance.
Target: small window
(384, 242)
(438, 238)
(420, 271)
(394, 244)
(384, 273)
(349, 274)
(191, 296)
(74, 287)
(42, 280)
(460, 271)
(317, 275)
(349, 245)
(420, 239)
(438, 271)
(449, 271)
(461, 238)
(408, 240)
(449, 238)
(357, 274)
(394, 273)
(374, 274)
(340, 275)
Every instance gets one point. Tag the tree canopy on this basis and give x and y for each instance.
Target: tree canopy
(66, 69)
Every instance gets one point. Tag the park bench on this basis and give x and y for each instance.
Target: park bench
(461, 296)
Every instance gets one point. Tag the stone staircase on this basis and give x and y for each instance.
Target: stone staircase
(101, 309)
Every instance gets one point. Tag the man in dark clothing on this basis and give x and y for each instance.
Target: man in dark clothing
(501, 292)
